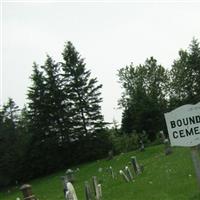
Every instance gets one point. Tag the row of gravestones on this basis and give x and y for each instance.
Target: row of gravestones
(126, 173)
(91, 193)
(96, 192)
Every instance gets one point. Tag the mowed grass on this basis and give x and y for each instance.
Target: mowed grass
(164, 178)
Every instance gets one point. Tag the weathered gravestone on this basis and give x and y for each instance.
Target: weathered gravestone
(88, 192)
(100, 190)
(27, 192)
(183, 124)
(135, 165)
(70, 193)
(111, 172)
(96, 188)
(124, 175)
(165, 141)
(129, 174)
(141, 148)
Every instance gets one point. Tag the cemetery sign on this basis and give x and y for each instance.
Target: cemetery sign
(183, 125)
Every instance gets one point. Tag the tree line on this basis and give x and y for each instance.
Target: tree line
(149, 90)
(62, 123)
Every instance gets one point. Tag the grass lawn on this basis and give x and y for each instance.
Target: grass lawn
(164, 178)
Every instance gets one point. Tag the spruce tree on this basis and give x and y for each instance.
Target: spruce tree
(83, 93)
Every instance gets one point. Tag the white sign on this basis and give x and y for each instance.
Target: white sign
(183, 125)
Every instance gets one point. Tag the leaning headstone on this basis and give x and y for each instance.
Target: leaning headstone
(129, 174)
(88, 191)
(71, 193)
(95, 186)
(124, 176)
(112, 173)
(135, 165)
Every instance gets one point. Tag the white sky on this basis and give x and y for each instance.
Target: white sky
(108, 35)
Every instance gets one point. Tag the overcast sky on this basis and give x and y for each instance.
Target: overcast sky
(108, 35)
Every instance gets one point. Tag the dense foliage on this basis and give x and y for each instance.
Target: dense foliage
(151, 90)
(62, 124)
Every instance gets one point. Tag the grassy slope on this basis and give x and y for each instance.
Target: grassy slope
(164, 178)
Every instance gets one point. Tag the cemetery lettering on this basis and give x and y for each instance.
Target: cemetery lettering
(183, 125)
(186, 132)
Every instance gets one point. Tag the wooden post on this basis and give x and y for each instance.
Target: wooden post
(196, 162)
(27, 192)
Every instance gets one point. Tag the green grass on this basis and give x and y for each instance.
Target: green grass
(164, 178)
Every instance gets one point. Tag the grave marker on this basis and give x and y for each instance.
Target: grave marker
(88, 191)
(95, 186)
(135, 165)
(27, 192)
(128, 172)
(124, 175)
(71, 193)
(112, 173)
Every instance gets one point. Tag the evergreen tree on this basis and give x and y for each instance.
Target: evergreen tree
(83, 93)
(37, 125)
(9, 143)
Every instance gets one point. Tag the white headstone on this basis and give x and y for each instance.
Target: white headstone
(71, 191)
(183, 125)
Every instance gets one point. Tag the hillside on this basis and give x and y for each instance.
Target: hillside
(164, 178)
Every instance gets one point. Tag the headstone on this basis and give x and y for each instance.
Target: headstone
(141, 145)
(100, 190)
(129, 174)
(71, 193)
(27, 192)
(88, 191)
(135, 165)
(124, 176)
(168, 149)
(162, 136)
(69, 196)
(65, 181)
(95, 186)
(112, 173)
